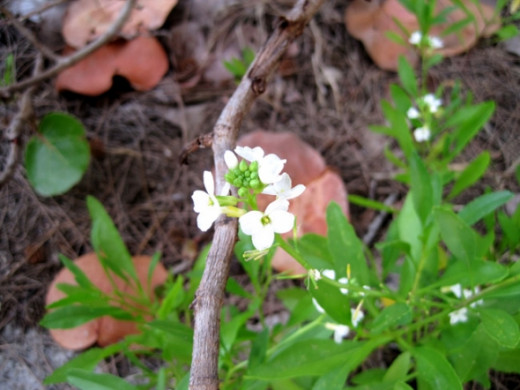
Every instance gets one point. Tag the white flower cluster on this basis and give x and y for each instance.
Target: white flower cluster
(428, 104)
(461, 315)
(263, 174)
(417, 39)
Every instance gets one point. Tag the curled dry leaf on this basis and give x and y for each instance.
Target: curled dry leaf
(104, 330)
(369, 21)
(85, 20)
(142, 61)
(305, 166)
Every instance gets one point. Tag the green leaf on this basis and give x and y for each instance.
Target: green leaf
(79, 276)
(332, 301)
(107, 242)
(460, 239)
(471, 174)
(370, 203)
(508, 361)
(58, 156)
(71, 316)
(86, 380)
(393, 315)
(87, 360)
(507, 32)
(421, 188)
(258, 352)
(485, 204)
(395, 37)
(482, 272)
(315, 250)
(314, 358)
(399, 368)
(467, 122)
(400, 97)
(409, 227)
(173, 299)
(434, 369)
(345, 247)
(500, 326)
(407, 76)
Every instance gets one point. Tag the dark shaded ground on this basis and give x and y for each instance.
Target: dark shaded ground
(137, 137)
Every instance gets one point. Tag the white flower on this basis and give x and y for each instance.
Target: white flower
(344, 291)
(456, 289)
(457, 316)
(413, 113)
(206, 204)
(282, 188)
(432, 102)
(435, 42)
(269, 167)
(230, 159)
(331, 274)
(422, 134)
(415, 38)
(262, 226)
(340, 331)
(314, 274)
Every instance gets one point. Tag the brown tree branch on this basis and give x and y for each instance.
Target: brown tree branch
(75, 57)
(209, 296)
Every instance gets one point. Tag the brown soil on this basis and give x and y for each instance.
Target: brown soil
(137, 138)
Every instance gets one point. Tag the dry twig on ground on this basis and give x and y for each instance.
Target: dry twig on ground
(208, 300)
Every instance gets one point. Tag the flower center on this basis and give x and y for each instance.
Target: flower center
(265, 220)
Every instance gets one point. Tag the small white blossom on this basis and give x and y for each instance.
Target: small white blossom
(340, 331)
(206, 204)
(263, 226)
(356, 316)
(413, 113)
(415, 38)
(282, 188)
(329, 273)
(432, 102)
(435, 42)
(457, 316)
(422, 134)
(456, 289)
(344, 280)
(269, 167)
(231, 159)
(314, 274)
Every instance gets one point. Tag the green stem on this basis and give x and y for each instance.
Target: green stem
(292, 251)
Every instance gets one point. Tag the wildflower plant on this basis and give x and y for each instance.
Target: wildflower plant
(440, 290)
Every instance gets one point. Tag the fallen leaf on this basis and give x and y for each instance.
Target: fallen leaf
(86, 20)
(104, 330)
(142, 61)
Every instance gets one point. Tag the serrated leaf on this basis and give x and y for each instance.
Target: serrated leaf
(58, 156)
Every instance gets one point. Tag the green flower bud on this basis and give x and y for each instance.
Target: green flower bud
(254, 166)
(254, 183)
(242, 166)
(229, 177)
(247, 173)
(237, 182)
(254, 175)
(243, 192)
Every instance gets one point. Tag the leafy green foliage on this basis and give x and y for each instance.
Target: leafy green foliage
(58, 155)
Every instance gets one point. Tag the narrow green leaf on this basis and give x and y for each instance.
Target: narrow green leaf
(507, 32)
(434, 369)
(407, 76)
(500, 326)
(485, 204)
(86, 380)
(107, 242)
(58, 156)
(315, 250)
(471, 174)
(258, 352)
(345, 247)
(87, 360)
(399, 369)
(508, 361)
(421, 187)
(482, 272)
(71, 316)
(79, 275)
(370, 203)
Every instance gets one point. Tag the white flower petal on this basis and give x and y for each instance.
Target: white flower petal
(250, 154)
(251, 222)
(457, 316)
(317, 306)
(205, 219)
(422, 134)
(201, 200)
(263, 238)
(281, 221)
(436, 43)
(225, 189)
(340, 332)
(231, 159)
(269, 168)
(456, 289)
(413, 113)
(415, 38)
(209, 184)
(329, 273)
(278, 204)
(356, 316)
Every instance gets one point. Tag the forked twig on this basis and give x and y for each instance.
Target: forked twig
(210, 294)
(75, 57)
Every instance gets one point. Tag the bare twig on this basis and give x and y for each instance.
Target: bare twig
(378, 221)
(209, 297)
(13, 131)
(77, 56)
